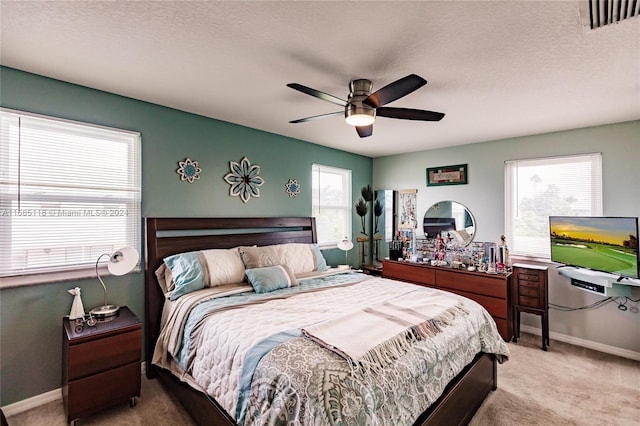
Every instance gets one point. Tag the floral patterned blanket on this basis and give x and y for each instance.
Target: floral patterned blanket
(248, 352)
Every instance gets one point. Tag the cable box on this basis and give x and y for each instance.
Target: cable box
(596, 288)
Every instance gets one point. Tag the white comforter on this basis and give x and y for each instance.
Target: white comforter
(213, 351)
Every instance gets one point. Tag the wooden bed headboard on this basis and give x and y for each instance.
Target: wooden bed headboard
(167, 236)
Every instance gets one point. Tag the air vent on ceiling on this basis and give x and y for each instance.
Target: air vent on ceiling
(600, 13)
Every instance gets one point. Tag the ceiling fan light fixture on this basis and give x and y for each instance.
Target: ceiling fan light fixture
(360, 119)
(359, 114)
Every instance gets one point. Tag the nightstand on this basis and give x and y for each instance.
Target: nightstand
(100, 364)
(372, 270)
(530, 294)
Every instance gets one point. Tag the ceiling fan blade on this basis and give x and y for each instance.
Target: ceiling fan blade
(315, 117)
(395, 90)
(317, 94)
(409, 114)
(364, 131)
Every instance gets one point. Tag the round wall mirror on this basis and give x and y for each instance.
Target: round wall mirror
(449, 217)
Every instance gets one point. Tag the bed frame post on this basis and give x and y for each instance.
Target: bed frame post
(152, 296)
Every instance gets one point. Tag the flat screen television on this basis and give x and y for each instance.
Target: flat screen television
(607, 244)
(433, 226)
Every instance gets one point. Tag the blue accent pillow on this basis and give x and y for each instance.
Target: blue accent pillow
(321, 263)
(187, 273)
(270, 278)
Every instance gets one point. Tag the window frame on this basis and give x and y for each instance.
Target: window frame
(345, 207)
(101, 198)
(511, 196)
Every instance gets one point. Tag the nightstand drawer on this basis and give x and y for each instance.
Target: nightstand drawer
(96, 392)
(105, 353)
(528, 277)
(528, 283)
(528, 291)
(532, 302)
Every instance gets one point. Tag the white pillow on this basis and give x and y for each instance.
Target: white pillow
(186, 272)
(299, 258)
(223, 266)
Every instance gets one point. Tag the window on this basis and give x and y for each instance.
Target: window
(538, 188)
(69, 192)
(331, 205)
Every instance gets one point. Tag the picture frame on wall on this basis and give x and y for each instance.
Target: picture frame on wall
(407, 218)
(447, 175)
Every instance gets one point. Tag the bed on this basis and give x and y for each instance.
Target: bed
(455, 403)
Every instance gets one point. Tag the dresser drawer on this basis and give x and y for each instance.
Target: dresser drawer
(532, 302)
(528, 276)
(503, 328)
(495, 307)
(528, 283)
(529, 291)
(92, 393)
(485, 285)
(103, 354)
(414, 274)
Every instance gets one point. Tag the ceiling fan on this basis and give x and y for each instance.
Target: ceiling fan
(362, 106)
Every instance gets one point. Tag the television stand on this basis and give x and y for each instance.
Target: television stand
(600, 283)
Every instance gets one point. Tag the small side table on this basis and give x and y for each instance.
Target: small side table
(100, 363)
(530, 294)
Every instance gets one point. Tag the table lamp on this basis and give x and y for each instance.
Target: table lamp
(121, 261)
(345, 245)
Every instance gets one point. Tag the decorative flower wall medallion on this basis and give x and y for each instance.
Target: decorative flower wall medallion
(244, 179)
(189, 170)
(293, 188)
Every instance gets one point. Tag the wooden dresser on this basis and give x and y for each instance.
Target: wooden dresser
(493, 291)
(100, 364)
(531, 295)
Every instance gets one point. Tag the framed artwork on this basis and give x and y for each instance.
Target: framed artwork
(244, 179)
(447, 175)
(292, 188)
(407, 209)
(189, 170)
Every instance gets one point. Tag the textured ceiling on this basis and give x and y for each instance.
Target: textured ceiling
(497, 69)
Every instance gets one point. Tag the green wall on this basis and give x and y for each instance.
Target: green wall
(605, 328)
(31, 316)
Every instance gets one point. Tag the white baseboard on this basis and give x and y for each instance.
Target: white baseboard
(613, 350)
(43, 398)
(33, 402)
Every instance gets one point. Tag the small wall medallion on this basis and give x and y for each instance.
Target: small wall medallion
(293, 187)
(189, 170)
(244, 180)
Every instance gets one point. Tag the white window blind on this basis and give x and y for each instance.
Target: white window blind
(69, 192)
(331, 203)
(538, 188)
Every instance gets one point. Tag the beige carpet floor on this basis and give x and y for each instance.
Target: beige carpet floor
(567, 385)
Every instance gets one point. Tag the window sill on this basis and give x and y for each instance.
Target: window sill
(520, 258)
(54, 277)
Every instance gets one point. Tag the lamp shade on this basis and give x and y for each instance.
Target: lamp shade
(345, 245)
(122, 261)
